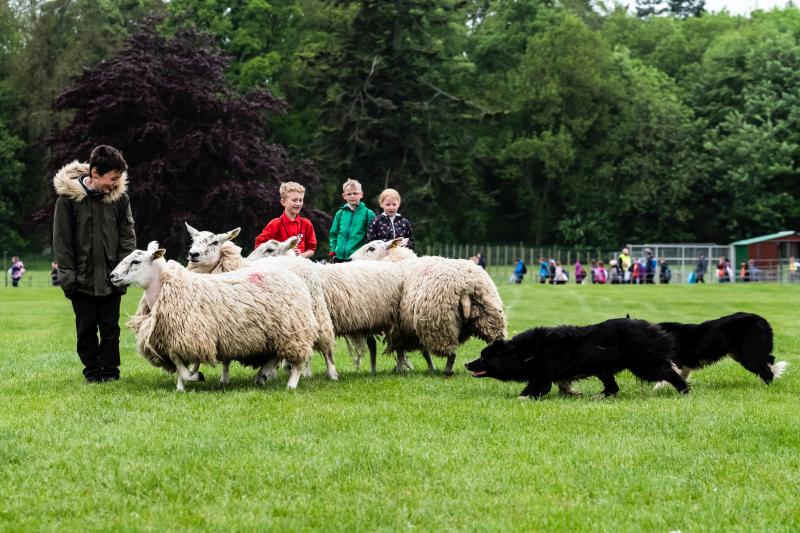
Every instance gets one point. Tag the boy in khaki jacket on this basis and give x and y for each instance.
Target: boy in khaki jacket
(92, 232)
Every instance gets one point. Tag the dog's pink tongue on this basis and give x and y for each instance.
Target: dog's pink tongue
(478, 373)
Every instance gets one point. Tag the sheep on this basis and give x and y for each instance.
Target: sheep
(253, 315)
(444, 302)
(215, 253)
(355, 341)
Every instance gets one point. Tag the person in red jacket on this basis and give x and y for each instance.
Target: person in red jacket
(290, 223)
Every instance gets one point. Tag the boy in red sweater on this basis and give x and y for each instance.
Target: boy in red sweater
(290, 223)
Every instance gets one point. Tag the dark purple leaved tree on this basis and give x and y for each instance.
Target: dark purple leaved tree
(196, 148)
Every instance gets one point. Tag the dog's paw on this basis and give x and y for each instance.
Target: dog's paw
(660, 385)
(602, 396)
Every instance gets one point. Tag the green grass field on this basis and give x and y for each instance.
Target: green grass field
(400, 452)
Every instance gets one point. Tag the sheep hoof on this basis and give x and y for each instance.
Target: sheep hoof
(448, 373)
(200, 376)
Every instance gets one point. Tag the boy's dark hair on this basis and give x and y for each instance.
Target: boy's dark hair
(107, 158)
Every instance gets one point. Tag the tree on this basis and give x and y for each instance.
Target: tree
(10, 145)
(391, 114)
(195, 146)
(10, 173)
(678, 8)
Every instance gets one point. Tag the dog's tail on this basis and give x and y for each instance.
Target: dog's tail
(778, 369)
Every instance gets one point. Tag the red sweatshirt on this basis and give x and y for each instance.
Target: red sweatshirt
(282, 228)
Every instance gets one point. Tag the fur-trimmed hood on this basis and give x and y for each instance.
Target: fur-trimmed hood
(66, 183)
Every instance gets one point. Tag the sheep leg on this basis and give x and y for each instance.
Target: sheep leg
(307, 369)
(224, 378)
(194, 368)
(402, 362)
(268, 371)
(427, 356)
(373, 353)
(183, 373)
(294, 377)
(448, 368)
(332, 373)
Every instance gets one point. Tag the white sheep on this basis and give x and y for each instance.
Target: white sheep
(444, 301)
(252, 315)
(215, 253)
(357, 332)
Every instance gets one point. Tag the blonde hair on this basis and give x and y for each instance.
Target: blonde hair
(290, 186)
(389, 193)
(351, 183)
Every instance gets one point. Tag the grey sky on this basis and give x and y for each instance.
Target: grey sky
(743, 7)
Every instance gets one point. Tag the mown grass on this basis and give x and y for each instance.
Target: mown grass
(399, 452)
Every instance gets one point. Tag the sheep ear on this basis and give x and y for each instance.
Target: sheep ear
(294, 241)
(233, 233)
(157, 254)
(191, 230)
(394, 243)
(152, 246)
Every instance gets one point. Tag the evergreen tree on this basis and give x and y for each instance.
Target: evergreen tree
(391, 115)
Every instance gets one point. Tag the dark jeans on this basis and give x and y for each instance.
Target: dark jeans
(93, 313)
(337, 260)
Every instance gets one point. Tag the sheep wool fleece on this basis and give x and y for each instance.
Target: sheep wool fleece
(446, 301)
(225, 317)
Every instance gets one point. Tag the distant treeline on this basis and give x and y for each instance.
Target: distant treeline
(498, 121)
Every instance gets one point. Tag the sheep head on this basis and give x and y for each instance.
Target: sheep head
(273, 248)
(206, 247)
(377, 250)
(137, 267)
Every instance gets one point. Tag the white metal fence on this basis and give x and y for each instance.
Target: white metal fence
(682, 259)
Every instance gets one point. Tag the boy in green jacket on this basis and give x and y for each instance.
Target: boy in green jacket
(92, 232)
(350, 224)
